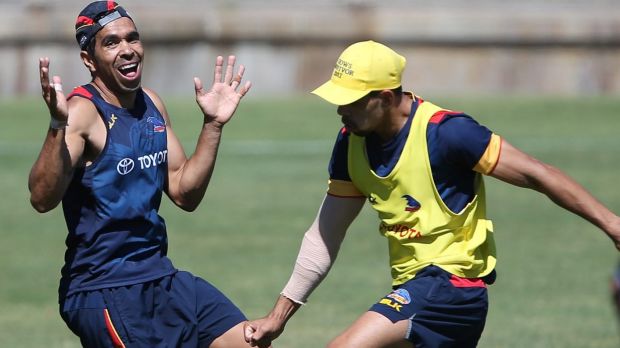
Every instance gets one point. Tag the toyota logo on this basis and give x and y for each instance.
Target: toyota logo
(125, 166)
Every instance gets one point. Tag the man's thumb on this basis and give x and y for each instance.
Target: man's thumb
(249, 331)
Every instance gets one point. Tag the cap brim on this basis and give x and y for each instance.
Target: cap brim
(338, 95)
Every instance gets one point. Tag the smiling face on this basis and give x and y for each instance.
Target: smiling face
(117, 57)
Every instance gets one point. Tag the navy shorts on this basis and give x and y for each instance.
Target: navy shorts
(179, 310)
(443, 310)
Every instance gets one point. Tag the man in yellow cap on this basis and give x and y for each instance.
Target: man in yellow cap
(420, 166)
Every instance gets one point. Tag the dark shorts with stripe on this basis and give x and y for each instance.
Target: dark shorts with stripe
(443, 310)
(179, 310)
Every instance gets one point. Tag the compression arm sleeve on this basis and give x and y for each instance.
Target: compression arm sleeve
(320, 246)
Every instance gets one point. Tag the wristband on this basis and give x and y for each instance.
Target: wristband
(56, 124)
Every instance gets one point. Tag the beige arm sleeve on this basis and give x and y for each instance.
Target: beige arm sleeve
(320, 246)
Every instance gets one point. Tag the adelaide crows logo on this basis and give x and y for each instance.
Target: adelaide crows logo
(158, 125)
(412, 204)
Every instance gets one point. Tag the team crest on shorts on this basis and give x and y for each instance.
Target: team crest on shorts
(401, 296)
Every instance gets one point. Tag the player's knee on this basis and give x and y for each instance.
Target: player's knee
(343, 341)
(336, 343)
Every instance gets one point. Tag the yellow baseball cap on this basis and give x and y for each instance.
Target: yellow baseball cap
(362, 67)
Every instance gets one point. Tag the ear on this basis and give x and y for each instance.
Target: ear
(387, 98)
(88, 61)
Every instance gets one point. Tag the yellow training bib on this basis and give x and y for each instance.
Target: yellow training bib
(421, 230)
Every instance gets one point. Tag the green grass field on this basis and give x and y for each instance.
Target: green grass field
(554, 268)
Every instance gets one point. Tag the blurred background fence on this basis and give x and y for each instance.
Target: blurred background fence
(568, 47)
(553, 289)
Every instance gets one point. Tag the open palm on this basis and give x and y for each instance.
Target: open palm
(52, 92)
(219, 103)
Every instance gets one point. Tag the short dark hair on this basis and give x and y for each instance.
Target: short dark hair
(398, 91)
(90, 48)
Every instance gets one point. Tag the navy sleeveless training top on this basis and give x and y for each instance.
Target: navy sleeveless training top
(116, 236)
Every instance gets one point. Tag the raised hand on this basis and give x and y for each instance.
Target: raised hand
(52, 93)
(219, 103)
